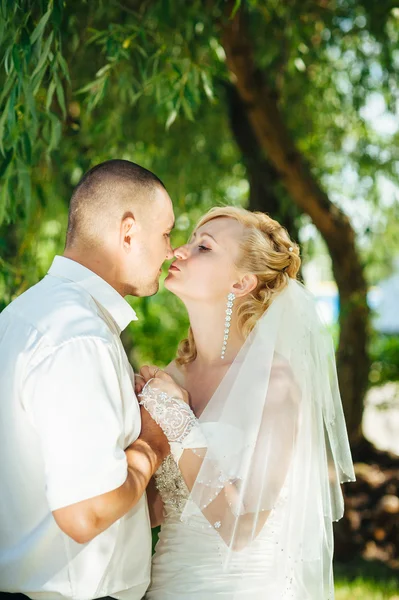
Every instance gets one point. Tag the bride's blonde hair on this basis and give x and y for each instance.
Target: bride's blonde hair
(267, 251)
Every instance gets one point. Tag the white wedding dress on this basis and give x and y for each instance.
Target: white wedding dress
(273, 438)
(188, 563)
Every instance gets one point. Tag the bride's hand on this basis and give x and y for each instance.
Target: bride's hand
(162, 381)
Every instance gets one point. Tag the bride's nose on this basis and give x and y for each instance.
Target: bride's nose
(181, 252)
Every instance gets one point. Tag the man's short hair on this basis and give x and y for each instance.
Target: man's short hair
(104, 191)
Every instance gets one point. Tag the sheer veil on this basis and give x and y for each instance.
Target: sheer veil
(276, 443)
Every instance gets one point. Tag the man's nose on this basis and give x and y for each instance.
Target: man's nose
(181, 252)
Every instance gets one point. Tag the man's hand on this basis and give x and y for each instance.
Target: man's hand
(84, 520)
(153, 435)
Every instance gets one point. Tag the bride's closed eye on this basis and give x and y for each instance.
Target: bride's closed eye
(203, 248)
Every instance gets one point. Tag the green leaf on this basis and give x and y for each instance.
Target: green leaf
(99, 93)
(60, 96)
(37, 80)
(25, 184)
(3, 201)
(11, 117)
(103, 70)
(16, 59)
(4, 9)
(38, 31)
(89, 87)
(55, 132)
(133, 97)
(64, 67)
(171, 119)
(235, 9)
(187, 109)
(9, 83)
(7, 60)
(44, 54)
(3, 30)
(206, 85)
(50, 94)
(2, 125)
(96, 35)
(6, 161)
(27, 148)
(25, 44)
(29, 99)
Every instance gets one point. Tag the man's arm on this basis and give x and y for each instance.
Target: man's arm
(73, 399)
(84, 520)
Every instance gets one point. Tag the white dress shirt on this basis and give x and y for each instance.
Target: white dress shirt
(67, 412)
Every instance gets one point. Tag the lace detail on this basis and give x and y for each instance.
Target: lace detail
(171, 486)
(175, 417)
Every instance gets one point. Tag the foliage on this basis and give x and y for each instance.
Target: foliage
(384, 351)
(34, 69)
(82, 82)
(168, 56)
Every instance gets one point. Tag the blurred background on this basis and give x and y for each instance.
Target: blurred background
(286, 107)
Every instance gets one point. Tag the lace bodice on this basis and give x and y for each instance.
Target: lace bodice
(171, 486)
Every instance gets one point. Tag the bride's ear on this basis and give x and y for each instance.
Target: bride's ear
(246, 284)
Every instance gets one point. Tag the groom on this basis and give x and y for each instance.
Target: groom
(76, 455)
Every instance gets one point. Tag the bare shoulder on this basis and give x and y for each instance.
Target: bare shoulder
(176, 371)
(282, 386)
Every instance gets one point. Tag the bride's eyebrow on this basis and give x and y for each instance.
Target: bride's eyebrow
(203, 233)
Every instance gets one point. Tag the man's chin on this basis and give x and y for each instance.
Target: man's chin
(145, 291)
(153, 289)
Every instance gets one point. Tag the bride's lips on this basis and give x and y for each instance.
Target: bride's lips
(173, 268)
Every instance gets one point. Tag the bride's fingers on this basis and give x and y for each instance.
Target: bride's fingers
(163, 376)
(149, 372)
(145, 372)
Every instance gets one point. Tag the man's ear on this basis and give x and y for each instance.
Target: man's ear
(246, 284)
(128, 229)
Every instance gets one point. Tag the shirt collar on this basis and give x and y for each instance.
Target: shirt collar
(119, 309)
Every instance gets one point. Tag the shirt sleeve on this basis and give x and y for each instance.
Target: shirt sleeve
(73, 398)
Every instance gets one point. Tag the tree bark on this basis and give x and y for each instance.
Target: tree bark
(334, 226)
(264, 183)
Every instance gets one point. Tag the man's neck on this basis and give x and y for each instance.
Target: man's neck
(99, 262)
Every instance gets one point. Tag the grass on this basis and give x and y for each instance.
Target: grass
(359, 579)
(364, 580)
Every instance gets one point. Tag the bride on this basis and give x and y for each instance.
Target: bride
(253, 415)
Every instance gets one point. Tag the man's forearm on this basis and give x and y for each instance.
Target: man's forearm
(142, 463)
(85, 520)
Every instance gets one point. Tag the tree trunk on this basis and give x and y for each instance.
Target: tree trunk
(265, 193)
(334, 226)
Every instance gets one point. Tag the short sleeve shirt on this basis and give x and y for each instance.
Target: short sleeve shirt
(67, 413)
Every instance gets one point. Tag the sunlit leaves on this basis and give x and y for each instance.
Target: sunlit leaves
(161, 53)
(32, 73)
(39, 29)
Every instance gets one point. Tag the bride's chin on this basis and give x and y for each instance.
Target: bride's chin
(168, 283)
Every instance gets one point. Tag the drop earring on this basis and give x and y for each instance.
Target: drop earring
(229, 311)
